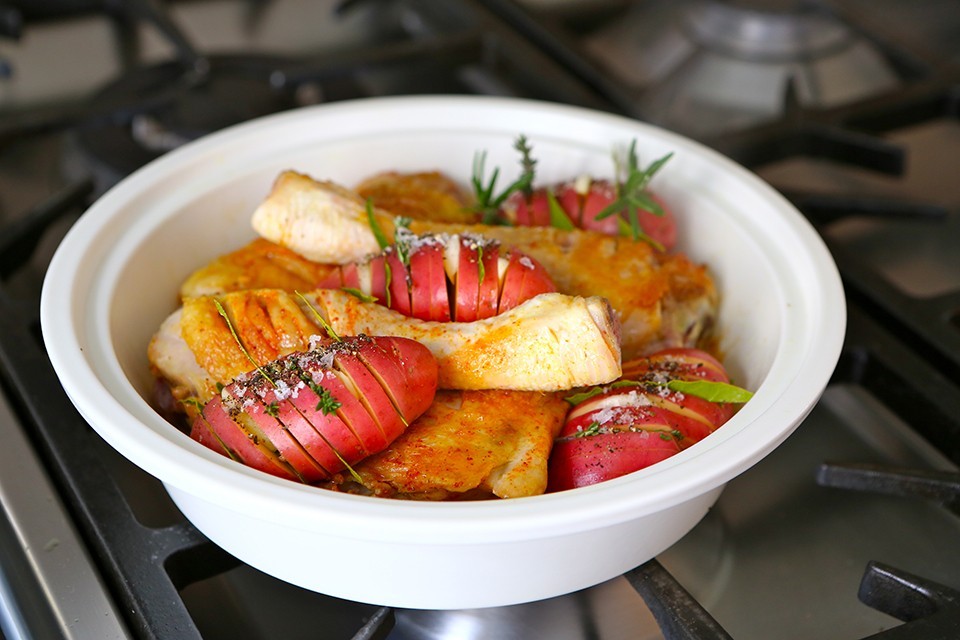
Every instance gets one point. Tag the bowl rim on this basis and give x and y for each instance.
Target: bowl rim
(76, 277)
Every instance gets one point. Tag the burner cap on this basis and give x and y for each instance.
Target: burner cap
(708, 67)
(765, 31)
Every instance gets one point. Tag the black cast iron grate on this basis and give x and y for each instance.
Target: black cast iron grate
(148, 566)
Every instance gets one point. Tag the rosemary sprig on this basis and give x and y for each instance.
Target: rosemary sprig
(375, 226)
(236, 337)
(357, 293)
(320, 319)
(632, 194)
(488, 202)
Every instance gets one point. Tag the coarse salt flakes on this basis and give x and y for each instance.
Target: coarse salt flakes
(281, 390)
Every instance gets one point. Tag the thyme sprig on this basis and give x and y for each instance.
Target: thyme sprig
(326, 404)
(632, 195)
(593, 429)
(488, 201)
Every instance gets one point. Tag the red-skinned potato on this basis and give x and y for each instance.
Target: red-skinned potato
(582, 201)
(310, 415)
(237, 442)
(466, 290)
(445, 277)
(488, 298)
(624, 206)
(639, 420)
(523, 279)
(592, 459)
(695, 363)
(428, 283)
(533, 211)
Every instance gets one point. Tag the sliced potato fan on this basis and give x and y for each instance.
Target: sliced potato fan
(309, 415)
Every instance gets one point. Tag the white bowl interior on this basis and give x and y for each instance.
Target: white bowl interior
(117, 274)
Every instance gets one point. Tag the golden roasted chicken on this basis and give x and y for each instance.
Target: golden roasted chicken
(490, 430)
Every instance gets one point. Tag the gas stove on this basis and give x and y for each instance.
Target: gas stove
(844, 532)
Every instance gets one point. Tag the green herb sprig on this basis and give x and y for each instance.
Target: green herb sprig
(236, 337)
(632, 195)
(558, 217)
(488, 201)
(357, 293)
(375, 227)
(326, 404)
(593, 429)
(319, 318)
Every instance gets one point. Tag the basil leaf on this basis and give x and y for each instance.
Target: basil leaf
(711, 391)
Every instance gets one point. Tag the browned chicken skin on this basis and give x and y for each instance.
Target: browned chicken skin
(469, 445)
(428, 195)
(259, 265)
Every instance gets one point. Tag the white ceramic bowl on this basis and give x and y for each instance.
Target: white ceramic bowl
(116, 275)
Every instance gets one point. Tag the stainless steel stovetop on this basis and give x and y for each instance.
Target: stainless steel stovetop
(811, 99)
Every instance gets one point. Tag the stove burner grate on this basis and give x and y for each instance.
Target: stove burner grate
(170, 106)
